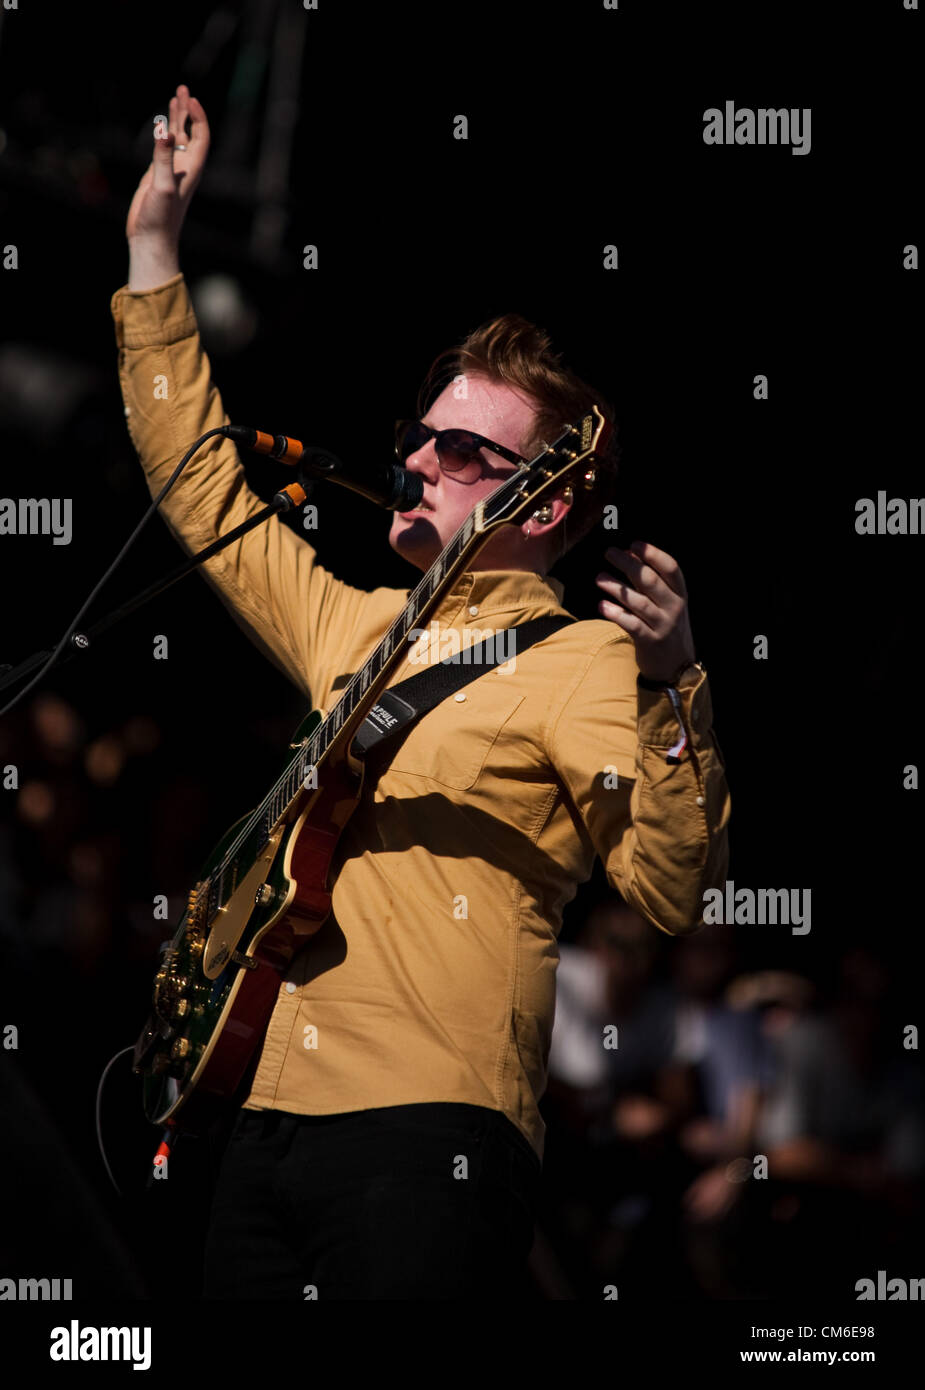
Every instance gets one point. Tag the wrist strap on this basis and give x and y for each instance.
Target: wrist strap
(664, 685)
(675, 751)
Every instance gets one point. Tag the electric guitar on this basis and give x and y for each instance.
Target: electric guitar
(264, 890)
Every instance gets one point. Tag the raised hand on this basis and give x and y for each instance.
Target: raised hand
(654, 612)
(164, 193)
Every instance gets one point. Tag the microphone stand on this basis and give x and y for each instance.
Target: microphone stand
(80, 641)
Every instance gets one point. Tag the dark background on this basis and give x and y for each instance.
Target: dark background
(585, 128)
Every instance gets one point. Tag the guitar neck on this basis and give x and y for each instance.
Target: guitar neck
(365, 687)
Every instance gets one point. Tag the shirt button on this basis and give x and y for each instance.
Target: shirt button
(700, 801)
(459, 697)
(473, 611)
(290, 986)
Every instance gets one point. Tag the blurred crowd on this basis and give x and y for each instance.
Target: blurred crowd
(725, 1133)
(99, 818)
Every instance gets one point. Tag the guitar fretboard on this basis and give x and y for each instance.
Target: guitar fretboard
(378, 665)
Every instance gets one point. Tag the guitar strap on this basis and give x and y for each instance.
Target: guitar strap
(398, 708)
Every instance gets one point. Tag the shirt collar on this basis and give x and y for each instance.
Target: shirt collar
(494, 592)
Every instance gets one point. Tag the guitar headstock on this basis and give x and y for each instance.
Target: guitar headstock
(569, 460)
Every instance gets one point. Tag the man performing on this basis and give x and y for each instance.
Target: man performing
(399, 1155)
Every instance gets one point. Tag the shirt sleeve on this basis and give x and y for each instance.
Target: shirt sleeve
(294, 611)
(660, 826)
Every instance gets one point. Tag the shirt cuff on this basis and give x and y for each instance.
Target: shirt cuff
(155, 317)
(657, 719)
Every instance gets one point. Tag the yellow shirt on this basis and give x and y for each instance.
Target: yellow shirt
(434, 977)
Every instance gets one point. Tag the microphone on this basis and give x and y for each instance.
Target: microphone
(388, 485)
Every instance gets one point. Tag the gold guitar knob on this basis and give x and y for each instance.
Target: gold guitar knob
(181, 1009)
(264, 895)
(180, 1049)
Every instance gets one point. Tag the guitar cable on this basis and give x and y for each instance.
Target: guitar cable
(99, 1127)
(164, 1148)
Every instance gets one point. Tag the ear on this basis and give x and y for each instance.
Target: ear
(558, 508)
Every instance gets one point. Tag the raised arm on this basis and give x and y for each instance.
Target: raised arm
(297, 613)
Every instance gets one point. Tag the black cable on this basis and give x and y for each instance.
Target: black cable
(115, 564)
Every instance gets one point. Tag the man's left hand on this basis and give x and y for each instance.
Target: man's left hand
(654, 612)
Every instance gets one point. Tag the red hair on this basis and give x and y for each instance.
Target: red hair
(511, 350)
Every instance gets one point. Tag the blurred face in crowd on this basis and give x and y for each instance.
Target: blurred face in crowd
(703, 963)
(624, 941)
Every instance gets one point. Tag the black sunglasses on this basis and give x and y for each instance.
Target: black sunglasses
(457, 450)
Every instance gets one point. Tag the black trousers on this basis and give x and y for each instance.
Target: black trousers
(407, 1201)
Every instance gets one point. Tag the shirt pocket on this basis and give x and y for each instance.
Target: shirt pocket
(451, 744)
